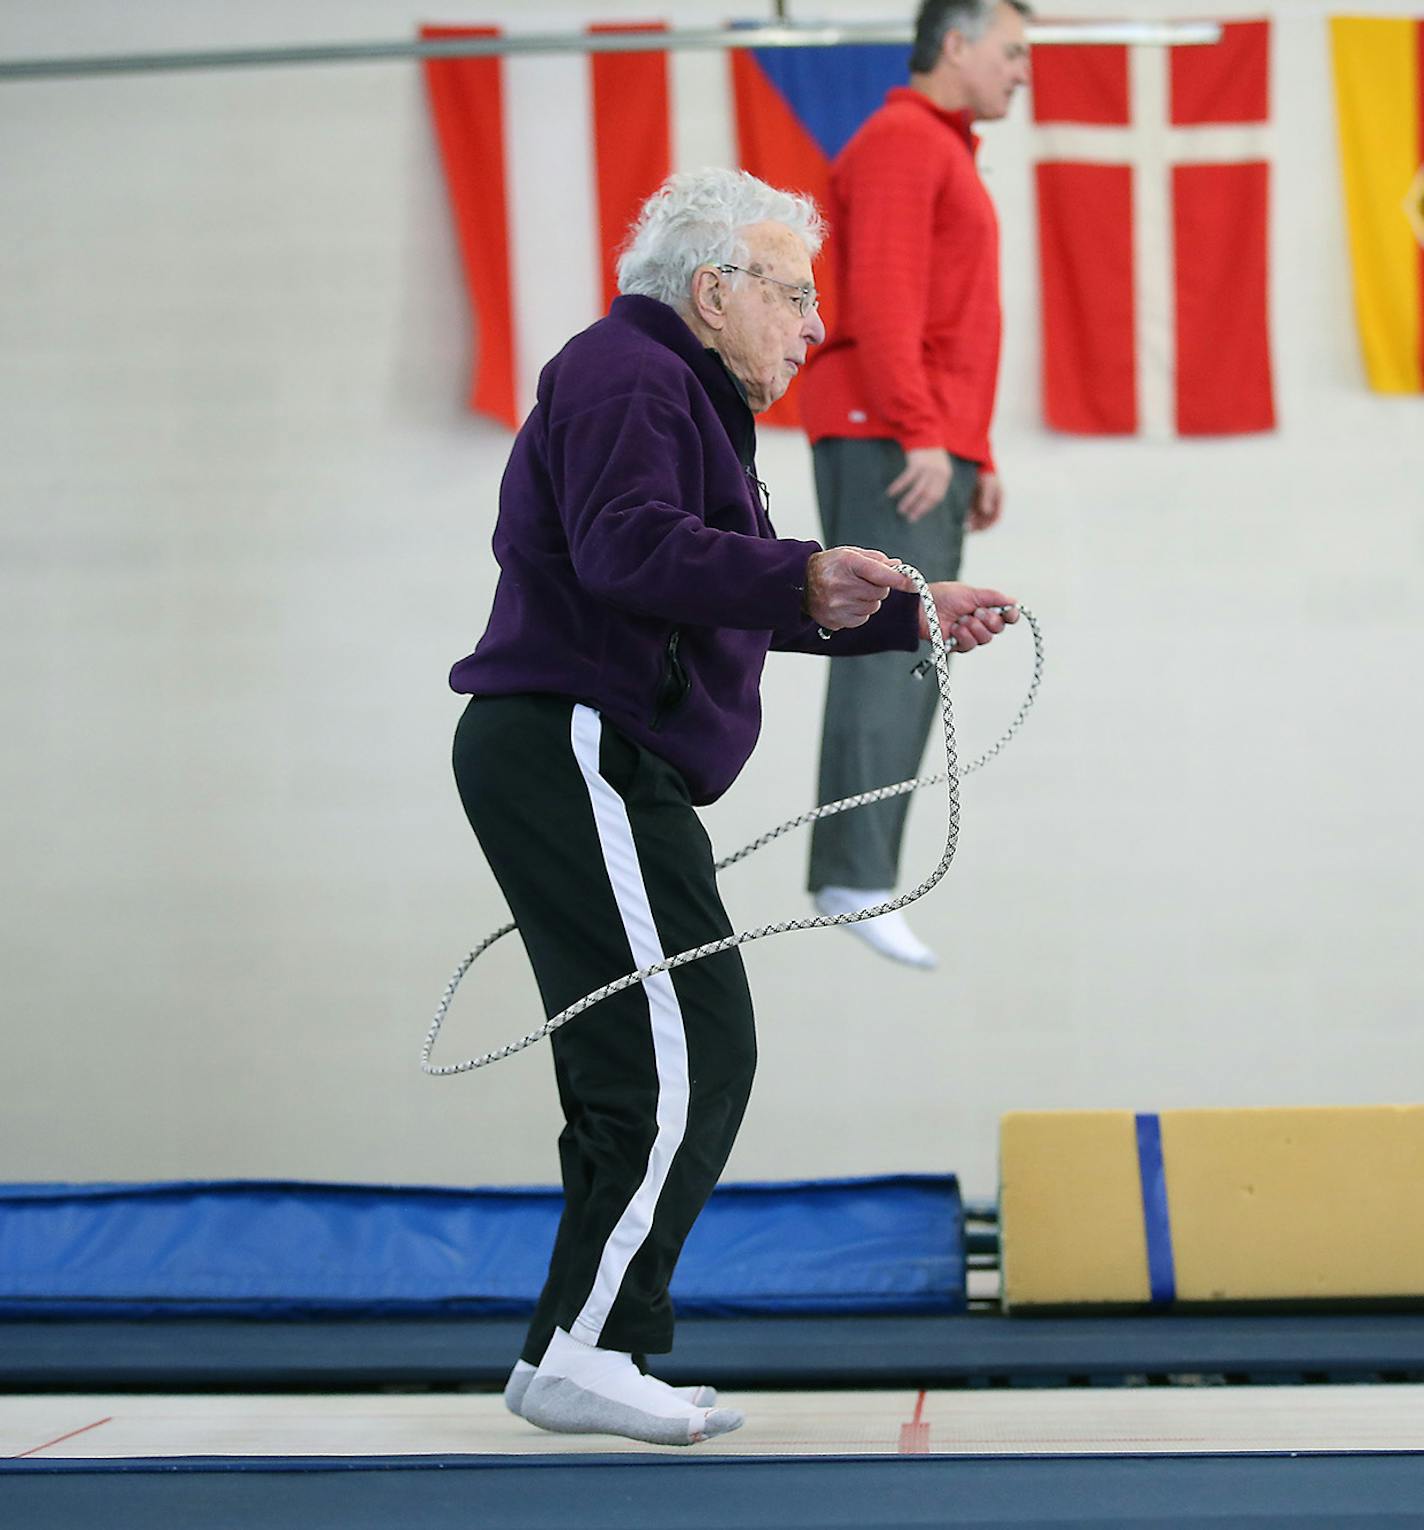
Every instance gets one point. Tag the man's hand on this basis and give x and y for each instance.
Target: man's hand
(924, 483)
(969, 607)
(988, 502)
(845, 585)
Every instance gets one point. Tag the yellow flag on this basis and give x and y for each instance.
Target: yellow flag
(1381, 114)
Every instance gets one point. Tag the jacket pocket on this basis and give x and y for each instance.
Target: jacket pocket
(674, 685)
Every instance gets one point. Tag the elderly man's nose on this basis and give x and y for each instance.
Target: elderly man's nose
(813, 329)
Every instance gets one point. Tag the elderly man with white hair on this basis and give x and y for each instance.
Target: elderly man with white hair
(616, 688)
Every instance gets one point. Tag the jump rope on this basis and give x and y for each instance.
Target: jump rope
(951, 775)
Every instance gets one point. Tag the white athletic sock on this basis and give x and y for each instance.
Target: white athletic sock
(889, 934)
(517, 1386)
(580, 1389)
(523, 1374)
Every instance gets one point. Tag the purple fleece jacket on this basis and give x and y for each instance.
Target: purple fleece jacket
(639, 571)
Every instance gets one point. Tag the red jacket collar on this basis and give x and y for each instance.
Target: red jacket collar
(960, 121)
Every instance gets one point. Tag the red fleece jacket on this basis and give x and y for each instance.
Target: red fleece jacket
(915, 350)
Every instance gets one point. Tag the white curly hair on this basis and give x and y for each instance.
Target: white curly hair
(696, 218)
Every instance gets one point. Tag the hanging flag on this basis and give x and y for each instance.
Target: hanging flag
(520, 181)
(466, 99)
(1152, 183)
(796, 109)
(632, 141)
(1379, 98)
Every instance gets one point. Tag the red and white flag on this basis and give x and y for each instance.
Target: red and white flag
(1153, 183)
(523, 180)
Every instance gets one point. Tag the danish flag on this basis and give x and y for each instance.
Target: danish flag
(1153, 180)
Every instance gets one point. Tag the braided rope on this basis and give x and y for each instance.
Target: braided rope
(951, 775)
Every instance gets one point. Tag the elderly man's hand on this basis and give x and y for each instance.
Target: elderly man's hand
(924, 483)
(969, 606)
(845, 585)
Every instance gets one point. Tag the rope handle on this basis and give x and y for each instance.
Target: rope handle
(951, 775)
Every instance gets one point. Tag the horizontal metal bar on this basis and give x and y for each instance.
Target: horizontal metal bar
(1143, 34)
(1139, 34)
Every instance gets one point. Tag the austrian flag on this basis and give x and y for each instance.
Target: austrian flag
(1152, 181)
(560, 151)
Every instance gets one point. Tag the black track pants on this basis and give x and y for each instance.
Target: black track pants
(607, 868)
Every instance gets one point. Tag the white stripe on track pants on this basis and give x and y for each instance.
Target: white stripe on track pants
(606, 868)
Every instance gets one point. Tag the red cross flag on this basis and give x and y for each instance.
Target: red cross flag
(1152, 179)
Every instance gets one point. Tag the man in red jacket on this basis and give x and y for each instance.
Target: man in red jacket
(897, 404)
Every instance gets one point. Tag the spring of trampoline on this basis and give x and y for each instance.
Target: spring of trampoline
(951, 775)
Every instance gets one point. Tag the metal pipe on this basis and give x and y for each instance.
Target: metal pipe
(1139, 34)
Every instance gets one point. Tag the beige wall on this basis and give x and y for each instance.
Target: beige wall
(245, 529)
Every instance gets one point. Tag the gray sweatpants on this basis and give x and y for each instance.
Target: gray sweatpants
(878, 715)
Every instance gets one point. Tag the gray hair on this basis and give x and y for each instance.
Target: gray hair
(696, 218)
(938, 18)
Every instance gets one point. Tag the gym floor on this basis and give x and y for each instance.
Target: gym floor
(1095, 1421)
(1170, 1457)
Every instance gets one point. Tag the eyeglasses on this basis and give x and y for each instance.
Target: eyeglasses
(807, 299)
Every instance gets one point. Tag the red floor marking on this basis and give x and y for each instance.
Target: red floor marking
(915, 1436)
(63, 1438)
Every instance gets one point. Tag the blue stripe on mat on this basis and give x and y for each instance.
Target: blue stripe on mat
(1161, 1267)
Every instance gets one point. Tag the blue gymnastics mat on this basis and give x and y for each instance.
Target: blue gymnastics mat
(885, 1244)
(1262, 1491)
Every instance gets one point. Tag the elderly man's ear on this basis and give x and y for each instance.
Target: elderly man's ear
(707, 298)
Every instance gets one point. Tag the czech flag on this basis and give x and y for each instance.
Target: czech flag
(1379, 96)
(796, 109)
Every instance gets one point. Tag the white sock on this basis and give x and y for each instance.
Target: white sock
(889, 934)
(523, 1373)
(517, 1386)
(581, 1389)
(609, 1372)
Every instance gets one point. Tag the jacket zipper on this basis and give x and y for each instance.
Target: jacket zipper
(675, 682)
